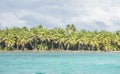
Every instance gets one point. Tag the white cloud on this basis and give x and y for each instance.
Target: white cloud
(9, 19)
(85, 14)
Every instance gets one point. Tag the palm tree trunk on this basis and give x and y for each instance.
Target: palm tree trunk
(22, 48)
(52, 45)
(92, 48)
(62, 46)
(35, 44)
(78, 46)
(17, 47)
(32, 45)
(59, 46)
(68, 46)
(46, 43)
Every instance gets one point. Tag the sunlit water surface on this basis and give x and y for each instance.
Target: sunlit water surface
(60, 63)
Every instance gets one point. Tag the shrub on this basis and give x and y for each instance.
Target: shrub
(42, 47)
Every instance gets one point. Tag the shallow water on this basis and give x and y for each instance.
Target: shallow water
(59, 63)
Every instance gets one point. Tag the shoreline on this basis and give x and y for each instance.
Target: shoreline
(59, 51)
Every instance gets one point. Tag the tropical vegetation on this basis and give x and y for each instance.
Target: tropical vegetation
(44, 39)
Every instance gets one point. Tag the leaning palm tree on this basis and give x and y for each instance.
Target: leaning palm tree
(23, 38)
(58, 38)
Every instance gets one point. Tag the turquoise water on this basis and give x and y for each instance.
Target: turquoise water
(59, 63)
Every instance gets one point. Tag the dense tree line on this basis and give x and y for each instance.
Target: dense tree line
(39, 38)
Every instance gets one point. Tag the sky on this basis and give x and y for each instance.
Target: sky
(84, 14)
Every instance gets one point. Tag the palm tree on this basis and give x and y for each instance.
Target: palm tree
(23, 38)
(58, 38)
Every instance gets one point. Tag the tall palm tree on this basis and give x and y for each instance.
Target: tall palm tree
(58, 38)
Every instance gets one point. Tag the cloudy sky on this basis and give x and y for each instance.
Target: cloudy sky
(85, 14)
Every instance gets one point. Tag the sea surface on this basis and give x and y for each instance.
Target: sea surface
(60, 63)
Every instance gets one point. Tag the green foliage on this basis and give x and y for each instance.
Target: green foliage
(9, 48)
(42, 47)
(25, 49)
(0, 48)
(63, 39)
